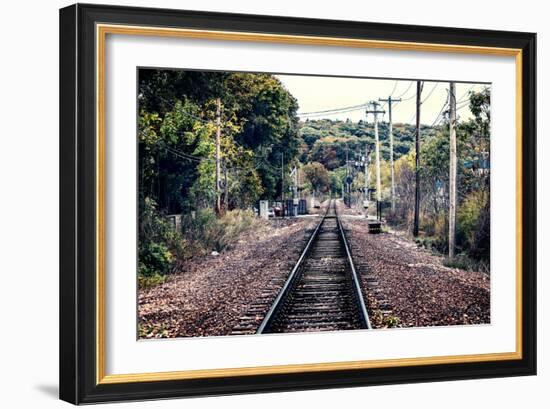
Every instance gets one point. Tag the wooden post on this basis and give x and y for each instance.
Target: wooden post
(282, 185)
(226, 190)
(218, 134)
(346, 199)
(452, 169)
(392, 191)
(377, 142)
(417, 160)
(366, 163)
(375, 111)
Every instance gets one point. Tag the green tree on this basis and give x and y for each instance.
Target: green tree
(317, 176)
(177, 155)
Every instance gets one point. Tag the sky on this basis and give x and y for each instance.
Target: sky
(316, 93)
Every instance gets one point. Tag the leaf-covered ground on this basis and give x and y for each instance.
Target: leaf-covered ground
(404, 285)
(207, 297)
(411, 284)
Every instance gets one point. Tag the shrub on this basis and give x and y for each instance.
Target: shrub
(207, 232)
(154, 259)
(463, 262)
(145, 282)
(433, 243)
(232, 224)
(161, 247)
(472, 232)
(473, 225)
(391, 321)
(434, 225)
(159, 244)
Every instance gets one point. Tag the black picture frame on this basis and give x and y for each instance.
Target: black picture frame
(78, 236)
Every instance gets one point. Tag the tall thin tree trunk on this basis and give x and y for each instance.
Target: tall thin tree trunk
(452, 169)
(218, 155)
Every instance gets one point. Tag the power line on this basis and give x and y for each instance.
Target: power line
(353, 107)
(441, 111)
(461, 99)
(458, 105)
(334, 110)
(331, 113)
(430, 93)
(412, 117)
(437, 118)
(394, 87)
(458, 108)
(404, 92)
(409, 98)
(188, 155)
(179, 155)
(194, 158)
(342, 110)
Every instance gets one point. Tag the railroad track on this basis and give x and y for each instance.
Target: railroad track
(322, 293)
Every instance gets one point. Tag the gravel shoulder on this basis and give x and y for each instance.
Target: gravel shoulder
(411, 284)
(209, 294)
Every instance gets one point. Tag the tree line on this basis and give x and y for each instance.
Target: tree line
(261, 139)
(177, 128)
(259, 127)
(327, 142)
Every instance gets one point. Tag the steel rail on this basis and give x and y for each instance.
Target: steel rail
(288, 287)
(279, 301)
(363, 313)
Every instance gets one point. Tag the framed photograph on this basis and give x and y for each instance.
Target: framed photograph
(257, 203)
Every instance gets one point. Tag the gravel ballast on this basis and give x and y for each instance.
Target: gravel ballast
(209, 294)
(411, 284)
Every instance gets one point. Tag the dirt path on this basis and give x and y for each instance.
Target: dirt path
(411, 284)
(207, 297)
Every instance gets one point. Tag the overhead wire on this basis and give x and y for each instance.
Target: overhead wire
(198, 159)
(334, 110)
(342, 110)
(394, 87)
(465, 95)
(439, 116)
(407, 90)
(430, 93)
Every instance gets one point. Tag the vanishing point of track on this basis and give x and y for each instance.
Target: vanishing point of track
(322, 293)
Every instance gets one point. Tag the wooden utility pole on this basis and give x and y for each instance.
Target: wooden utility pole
(226, 189)
(375, 112)
(348, 178)
(419, 86)
(294, 175)
(295, 201)
(392, 191)
(452, 169)
(282, 184)
(366, 163)
(298, 182)
(218, 134)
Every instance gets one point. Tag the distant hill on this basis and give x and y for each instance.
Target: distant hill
(326, 140)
